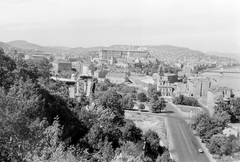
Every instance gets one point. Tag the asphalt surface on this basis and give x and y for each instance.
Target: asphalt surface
(184, 145)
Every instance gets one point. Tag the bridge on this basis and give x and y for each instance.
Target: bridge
(221, 71)
(74, 84)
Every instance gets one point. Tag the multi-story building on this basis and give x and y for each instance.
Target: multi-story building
(162, 83)
(187, 70)
(171, 78)
(61, 66)
(106, 54)
(216, 93)
(199, 86)
(85, 68)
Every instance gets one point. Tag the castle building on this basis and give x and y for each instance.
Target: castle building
(106, 54)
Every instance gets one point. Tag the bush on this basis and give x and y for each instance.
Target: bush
(141, 107)
(142, 97)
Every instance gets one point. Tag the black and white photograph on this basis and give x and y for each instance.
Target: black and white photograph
(119, 80)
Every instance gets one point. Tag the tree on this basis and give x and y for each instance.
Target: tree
(111, 100)
(235, 108)
(141, 107)
(103, 87)
(127, 102)
(142, 97)
(50, 148)
(131, 132)
(184, 100)
(165, 157)
(152, 90)
(7, 66)
(158, 105)
(152, 148)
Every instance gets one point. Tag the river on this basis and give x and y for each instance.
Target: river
(231, 80)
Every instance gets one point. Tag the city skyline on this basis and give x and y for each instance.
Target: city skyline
(203, 25)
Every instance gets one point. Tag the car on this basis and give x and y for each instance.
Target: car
(200, 150)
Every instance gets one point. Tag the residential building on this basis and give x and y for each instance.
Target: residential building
(100, 74)
(116, 77)
(217, 93)
(85, 68)
(180, 88)
(171, 78)
(188, 69)
(162, 83)
(61, 66)
(199, 86)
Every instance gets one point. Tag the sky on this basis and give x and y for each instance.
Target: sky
(205, 25)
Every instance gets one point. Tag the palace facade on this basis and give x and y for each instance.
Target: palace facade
(105, 54)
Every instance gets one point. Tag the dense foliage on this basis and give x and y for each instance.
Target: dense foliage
(157, 105)
(184, 100)
(142, 97)
(151, 68)
(210, 129)
(39, 122)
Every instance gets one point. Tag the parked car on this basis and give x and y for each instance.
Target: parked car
(200, 150)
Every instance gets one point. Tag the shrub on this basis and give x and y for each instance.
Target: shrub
(141, 107)
(142, 97)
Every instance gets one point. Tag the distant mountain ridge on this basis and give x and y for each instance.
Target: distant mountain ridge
(26, 45)
(155, 50)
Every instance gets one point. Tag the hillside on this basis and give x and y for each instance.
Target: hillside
(229, 55)
(5, 47)
(26, 45)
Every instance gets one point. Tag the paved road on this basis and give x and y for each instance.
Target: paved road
(184, 144)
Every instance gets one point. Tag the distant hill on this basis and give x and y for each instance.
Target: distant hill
(5, 46)
(26, 45)
(229, 55)
(169, 48)
(157, 51)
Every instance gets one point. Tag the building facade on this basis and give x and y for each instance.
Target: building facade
(61, 66)
(162, 83)
(106, 54)
(85, 68)
(215, 94)
(199, 86)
